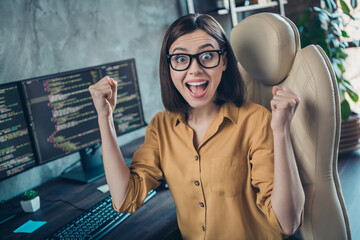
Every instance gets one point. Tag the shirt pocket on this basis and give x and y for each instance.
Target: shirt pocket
(227, 176)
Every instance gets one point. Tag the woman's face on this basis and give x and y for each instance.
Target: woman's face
(197, 84)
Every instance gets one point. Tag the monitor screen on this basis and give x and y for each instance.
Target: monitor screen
(62, 115)
(128, 114)
(16, 152)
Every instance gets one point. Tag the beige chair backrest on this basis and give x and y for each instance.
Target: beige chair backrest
(268, 49)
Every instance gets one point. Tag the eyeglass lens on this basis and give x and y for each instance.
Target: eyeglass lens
(206, 59)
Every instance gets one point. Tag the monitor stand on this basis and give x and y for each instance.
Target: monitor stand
(91, 167)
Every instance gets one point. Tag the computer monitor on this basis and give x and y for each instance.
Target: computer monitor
(16, 152)
(64, 120)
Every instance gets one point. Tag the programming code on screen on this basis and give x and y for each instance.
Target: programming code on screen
(62, 114)
(128, 113)
(16, 154)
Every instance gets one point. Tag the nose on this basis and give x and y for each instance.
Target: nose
(195, 67)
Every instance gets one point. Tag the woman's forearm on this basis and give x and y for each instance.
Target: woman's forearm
(116, 171)
(288, 196)
(104, 95)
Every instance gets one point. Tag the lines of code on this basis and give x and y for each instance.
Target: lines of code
(63, 117)
(16, 154)
(128, 113)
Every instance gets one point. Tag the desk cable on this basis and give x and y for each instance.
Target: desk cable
(64, 201)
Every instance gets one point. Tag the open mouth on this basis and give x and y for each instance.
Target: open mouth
(198, 89)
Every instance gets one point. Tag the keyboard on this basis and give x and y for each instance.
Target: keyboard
(95, 222)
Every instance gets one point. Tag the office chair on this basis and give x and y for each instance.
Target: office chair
(268, 49)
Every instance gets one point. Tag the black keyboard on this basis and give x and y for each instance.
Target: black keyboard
(95, 222)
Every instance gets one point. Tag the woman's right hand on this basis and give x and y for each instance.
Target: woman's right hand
(104, 95)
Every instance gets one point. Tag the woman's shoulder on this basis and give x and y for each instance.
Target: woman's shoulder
(251, 113)
(247, 113)
(254, 116)
(164, 117)
(253, 108)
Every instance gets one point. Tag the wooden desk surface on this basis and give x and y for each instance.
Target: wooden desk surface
(154, 220)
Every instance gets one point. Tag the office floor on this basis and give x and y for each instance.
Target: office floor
(349, 172)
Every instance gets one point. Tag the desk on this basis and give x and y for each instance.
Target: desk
(154, 220)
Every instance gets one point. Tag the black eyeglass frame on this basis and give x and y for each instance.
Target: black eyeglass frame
(192, 56)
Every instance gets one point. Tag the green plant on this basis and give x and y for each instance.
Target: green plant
(30, 194)
(326, 28)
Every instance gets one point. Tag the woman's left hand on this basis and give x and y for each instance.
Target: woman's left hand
(283, 106)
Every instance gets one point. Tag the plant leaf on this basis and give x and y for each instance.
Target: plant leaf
(341, 90)
(341, 55)
(344, 7)
(317, 9)
(335, 25)
(331, 5)
(324, 21)
(343, 44)
(335, 43)
(344, 34)
(330, 37)
(353, 95)
(350, 90)
(341, 67)
(354, 3)
(337, 71)
(346, 81)
(345, 110)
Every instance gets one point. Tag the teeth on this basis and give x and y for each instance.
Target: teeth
(196, 83)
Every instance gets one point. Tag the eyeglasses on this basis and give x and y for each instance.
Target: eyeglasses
(207, 59)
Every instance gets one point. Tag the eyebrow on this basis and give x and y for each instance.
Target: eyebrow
(200, 48)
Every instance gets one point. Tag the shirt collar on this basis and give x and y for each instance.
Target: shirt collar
(179, 117)
(228, 110)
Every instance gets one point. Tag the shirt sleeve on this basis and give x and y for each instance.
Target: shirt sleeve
(145, 173)
(262, 171)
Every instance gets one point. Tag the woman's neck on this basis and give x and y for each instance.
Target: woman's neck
(202, 115)
(199, 120)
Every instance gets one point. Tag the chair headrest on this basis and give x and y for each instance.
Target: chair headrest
(265, 45)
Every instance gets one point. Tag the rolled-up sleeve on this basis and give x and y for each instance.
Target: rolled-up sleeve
(145, 173)
(262, 173)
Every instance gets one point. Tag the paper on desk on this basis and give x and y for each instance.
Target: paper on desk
(103, 188)
(29, 227)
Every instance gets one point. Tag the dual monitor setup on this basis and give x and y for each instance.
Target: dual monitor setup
(46, 118)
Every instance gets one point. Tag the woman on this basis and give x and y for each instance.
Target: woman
(229, 163)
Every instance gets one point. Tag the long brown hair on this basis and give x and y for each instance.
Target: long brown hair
(231, 87)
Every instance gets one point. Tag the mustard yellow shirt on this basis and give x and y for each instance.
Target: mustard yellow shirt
(222, 189)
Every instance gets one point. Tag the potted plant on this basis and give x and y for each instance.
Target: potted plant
(325, 27)
(30, 201)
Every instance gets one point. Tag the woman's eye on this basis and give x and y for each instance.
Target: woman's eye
(207, 56)
(181, 59)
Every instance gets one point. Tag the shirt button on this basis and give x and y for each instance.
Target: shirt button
(203, 228)
(196, 157)
(196, 183)
(201, 204)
